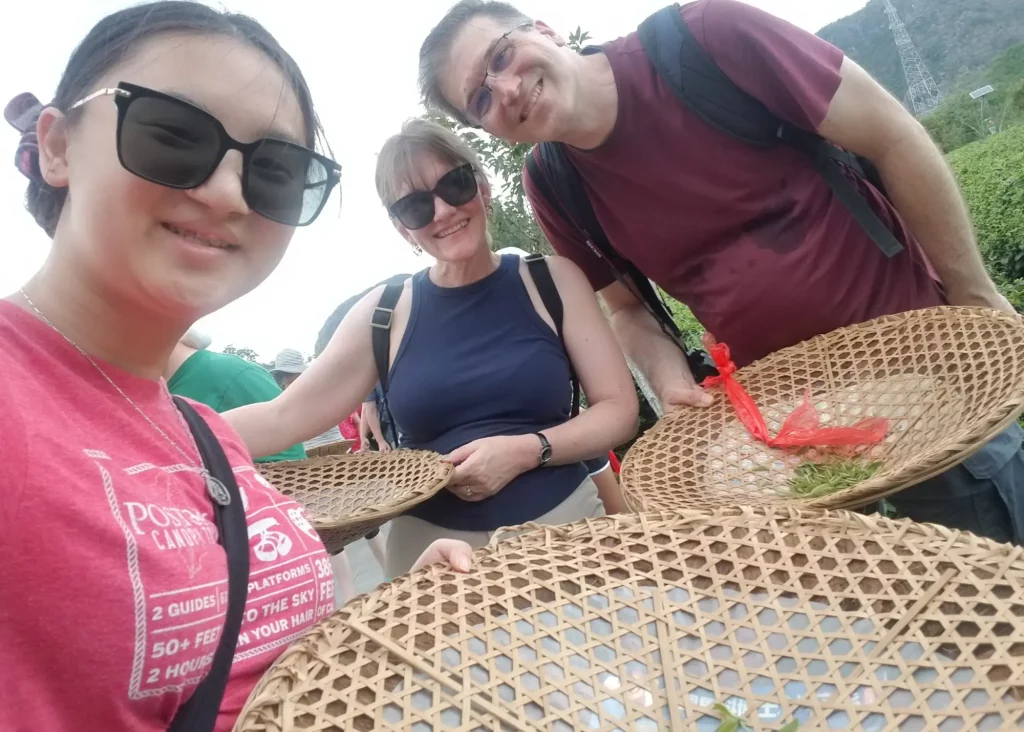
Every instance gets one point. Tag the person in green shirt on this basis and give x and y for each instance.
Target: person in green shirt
(221, 381)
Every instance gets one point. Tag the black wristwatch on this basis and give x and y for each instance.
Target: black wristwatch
(545, 449)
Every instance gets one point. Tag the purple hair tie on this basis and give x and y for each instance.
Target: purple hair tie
(22, 113)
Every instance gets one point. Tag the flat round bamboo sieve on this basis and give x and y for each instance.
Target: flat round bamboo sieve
(339, 447)
(947, 379)
(646, 622)
(347, 496)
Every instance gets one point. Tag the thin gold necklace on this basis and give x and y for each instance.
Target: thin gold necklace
(214, 487)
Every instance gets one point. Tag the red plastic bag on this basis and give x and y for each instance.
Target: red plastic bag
(802, 428)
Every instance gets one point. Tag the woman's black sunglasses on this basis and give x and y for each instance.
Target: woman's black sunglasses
(168, 141)
(457, 187)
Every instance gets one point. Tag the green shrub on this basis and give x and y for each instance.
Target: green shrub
(688, 324)
(991, 176)
(1014, 292)
(960, 120)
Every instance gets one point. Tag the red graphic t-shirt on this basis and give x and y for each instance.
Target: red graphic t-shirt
(113, 586)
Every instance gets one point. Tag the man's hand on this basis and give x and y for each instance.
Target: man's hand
(483, 467)
(684, 394)
(656, 356)
(456, 554)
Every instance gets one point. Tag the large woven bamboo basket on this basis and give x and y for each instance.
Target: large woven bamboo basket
(340, 447)
(347, 496)
(646, 622)
(947, 379)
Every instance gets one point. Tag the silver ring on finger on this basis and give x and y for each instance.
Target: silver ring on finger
(468, 492)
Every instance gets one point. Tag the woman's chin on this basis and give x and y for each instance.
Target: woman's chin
(191, 298)
(459, 247)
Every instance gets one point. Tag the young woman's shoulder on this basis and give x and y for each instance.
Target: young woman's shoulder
(13, 442)
(21, 384)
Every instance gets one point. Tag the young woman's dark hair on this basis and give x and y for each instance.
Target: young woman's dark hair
(118, 35)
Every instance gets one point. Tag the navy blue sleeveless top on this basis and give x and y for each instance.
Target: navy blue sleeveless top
(478, 361)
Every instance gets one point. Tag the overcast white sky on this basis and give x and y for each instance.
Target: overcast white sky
(360, 61)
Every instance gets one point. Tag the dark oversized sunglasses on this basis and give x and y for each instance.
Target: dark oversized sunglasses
(168, 141)
(457, 187)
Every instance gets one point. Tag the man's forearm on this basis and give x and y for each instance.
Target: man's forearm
(925, 193)
(658, 358)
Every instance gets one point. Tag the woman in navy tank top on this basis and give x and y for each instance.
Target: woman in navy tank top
(477, 370)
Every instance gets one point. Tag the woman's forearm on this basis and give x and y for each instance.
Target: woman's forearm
(593, 433)
(263, 428)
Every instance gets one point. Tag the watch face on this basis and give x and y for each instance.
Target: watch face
(545, 449)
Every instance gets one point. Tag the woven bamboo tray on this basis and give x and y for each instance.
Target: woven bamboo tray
(644, 622)
(947, 379)
(347, 496)
(340, 447)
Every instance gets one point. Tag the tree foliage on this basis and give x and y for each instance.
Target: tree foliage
(577, 39)
(960, 120)
(247, 353)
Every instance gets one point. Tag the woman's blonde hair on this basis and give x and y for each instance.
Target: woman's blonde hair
(396, 163)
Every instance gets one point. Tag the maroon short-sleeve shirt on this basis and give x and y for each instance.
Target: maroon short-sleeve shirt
(752, 239)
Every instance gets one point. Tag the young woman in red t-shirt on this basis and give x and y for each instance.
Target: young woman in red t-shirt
(162, 209)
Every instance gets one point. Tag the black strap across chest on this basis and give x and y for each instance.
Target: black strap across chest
(199, 713)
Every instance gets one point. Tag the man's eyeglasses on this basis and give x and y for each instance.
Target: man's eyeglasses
(498, 59)
(168, 141)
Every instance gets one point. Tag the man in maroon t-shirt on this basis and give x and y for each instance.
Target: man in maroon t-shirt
(752, 239)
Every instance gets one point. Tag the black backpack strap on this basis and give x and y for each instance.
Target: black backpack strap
(704, 89)
(381, 320)
(383, 316)
(199, 713)
(829, 160)
(560, 184)
(700, 84)
(541, 274)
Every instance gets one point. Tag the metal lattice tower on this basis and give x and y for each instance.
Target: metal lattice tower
(922, 91)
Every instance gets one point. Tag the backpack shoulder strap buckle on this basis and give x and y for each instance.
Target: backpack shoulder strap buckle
(382, 317)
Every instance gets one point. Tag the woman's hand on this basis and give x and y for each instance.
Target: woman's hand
(456, 554)
(483, 467)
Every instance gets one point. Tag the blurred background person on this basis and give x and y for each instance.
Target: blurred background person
(221, 381)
